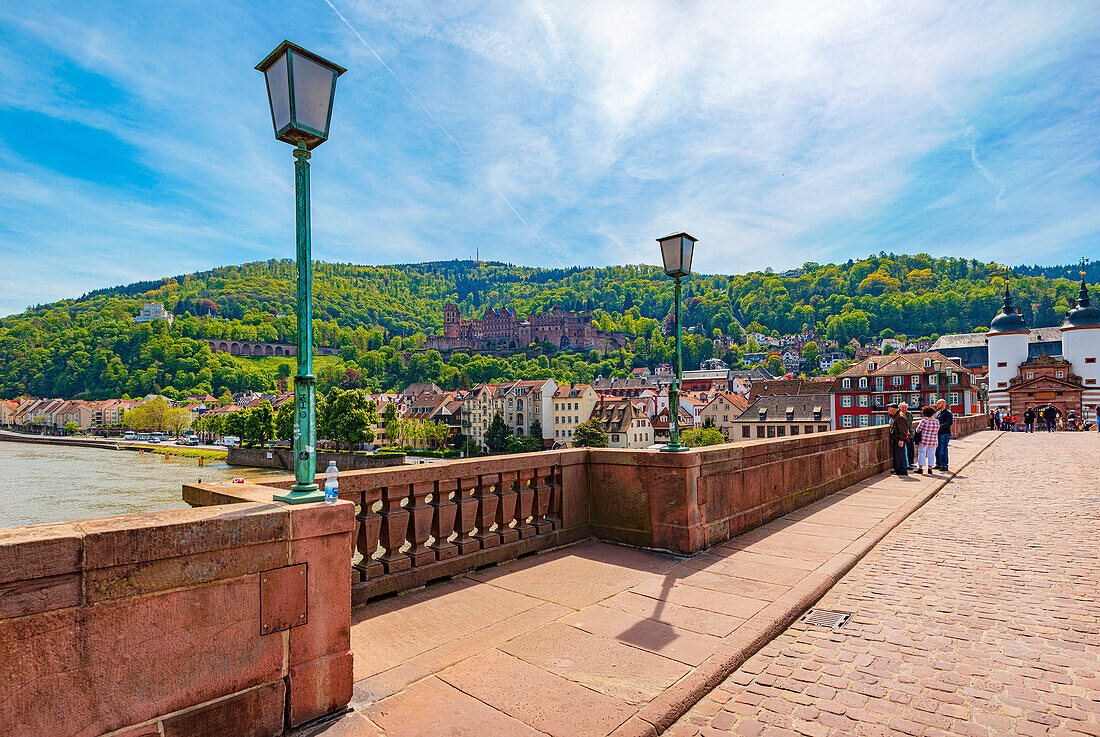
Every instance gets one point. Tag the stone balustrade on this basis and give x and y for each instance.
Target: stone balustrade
(415, 524)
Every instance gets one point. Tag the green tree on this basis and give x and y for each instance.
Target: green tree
(71, 427)
(811, 353)
(697, 437)
(257, 425)
(590, 434)
(346, 418)
(284, 421)
(496, 436)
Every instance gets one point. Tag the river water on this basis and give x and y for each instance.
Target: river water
(59, 483)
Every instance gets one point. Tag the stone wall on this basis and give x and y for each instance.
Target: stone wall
(685, 502)
(224, 620)
(281, 458)
(963, 426)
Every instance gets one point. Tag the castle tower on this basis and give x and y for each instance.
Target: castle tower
(1008, 339)
(1081, 344)
(451, 320)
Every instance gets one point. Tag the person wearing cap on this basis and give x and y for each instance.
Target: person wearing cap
(899, 434)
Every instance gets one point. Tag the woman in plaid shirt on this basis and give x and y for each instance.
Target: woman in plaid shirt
(929, 429)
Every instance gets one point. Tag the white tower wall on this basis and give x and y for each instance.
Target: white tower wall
(1011, 350)
(1079, 345)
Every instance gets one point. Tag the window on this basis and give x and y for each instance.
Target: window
(895, 381)
(1090, 381)
(745, 431)
(822, 428)
(846, 421)
(863, 382)
(781, 431)
(1031, 374)
(1002, 364)
(864, 421)
(846, 401)
(928, 363)
(879, 401)
(1059, 374)
(760, 431)
(955, 398)
(771, 431)
(880, 384)
(914, 382)
(847, 383)
(615, 438)
(1090, 360)
(897, 398)
(864, 400)
(933, 380)
(914, 400)
(794, 429)
(808, 429)
(1002, 384)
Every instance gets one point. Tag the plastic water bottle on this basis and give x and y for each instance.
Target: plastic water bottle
(332, 483)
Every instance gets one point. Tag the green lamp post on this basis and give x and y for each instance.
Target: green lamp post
(300, 88)
(676, 252)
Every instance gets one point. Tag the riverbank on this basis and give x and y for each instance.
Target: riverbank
(114, 444)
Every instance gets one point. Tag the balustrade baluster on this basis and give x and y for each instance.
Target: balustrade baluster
(366, 539)
(395, 525)
(466, 516)
(487, 502)
(420, 524)
(542, 521)
(553, 480)
(443, 519)
(524, 504)
(506, 510)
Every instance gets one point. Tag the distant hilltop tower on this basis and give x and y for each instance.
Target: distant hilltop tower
(1081, 344)
(1008, 348)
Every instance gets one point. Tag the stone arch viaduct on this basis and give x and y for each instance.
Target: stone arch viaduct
(247, 348)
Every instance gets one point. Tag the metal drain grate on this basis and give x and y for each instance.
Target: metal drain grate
(826, 618)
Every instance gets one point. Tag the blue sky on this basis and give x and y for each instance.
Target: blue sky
(135, 139)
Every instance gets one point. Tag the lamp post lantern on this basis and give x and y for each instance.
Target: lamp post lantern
(300, 88)
(676, 252)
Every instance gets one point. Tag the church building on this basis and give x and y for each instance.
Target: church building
(1068, 380)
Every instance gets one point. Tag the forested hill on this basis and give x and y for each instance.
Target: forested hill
(90, 347)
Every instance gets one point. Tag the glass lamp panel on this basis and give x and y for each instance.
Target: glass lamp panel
(689, 248)
(313, 85)
(278, 92)
(670, 252)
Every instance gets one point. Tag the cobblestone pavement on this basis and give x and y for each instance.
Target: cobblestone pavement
(977, 616)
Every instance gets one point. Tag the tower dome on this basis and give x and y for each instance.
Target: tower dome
(1008, 320)
(1084, 314)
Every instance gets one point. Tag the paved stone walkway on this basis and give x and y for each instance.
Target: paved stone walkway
(977, 616)
(595, 640)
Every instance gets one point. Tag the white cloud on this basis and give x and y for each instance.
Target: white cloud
(774, 131)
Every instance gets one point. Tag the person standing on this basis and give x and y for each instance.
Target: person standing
(1050, 416)
(929, 431)
(943, 414)
(1097, 415)
(996, 417)
(1029, 419)
(899, 434)
(910, 445)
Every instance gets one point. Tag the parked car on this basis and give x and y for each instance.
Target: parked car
(230, 441)
(187, 440)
